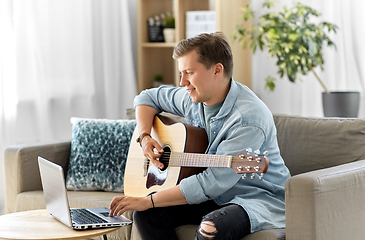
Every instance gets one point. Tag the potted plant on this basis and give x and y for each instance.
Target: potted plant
(291, 38)
(158, 80)
(169, 28)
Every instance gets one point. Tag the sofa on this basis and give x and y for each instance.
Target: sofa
(324, 197)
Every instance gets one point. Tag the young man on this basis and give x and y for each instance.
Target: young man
(224, 205)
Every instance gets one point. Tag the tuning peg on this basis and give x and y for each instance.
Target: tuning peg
(252, 176)
(244, 176)
(257, 152)
(261, 176)
(249, 150)
(266, 153)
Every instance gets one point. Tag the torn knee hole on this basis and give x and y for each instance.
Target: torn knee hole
(207, 229)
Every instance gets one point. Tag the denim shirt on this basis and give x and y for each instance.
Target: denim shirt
(243, 122)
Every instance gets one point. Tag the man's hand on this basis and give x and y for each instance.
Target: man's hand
(165, 198)
(120, 204)
(152, 150)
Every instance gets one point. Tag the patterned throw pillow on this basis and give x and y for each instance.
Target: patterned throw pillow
(99, 150)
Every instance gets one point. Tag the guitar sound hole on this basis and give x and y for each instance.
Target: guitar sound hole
(165, 158)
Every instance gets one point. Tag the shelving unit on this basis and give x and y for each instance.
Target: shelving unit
(156, 58)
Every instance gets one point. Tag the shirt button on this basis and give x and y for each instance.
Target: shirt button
(214, 132)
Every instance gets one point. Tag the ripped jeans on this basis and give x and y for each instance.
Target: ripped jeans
(215, 222)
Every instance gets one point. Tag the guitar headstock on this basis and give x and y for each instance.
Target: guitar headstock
(250, 163)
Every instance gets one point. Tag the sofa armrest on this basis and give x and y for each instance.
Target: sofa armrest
(327, 203)
(21, 167)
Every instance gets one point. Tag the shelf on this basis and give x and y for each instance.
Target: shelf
(156, 57)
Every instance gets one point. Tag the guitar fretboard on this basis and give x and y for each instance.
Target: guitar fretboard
(199, 160)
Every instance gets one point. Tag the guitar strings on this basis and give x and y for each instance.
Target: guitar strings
(167, 155)
(165, 158)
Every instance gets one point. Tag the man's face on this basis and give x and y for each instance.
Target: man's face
(199, 81)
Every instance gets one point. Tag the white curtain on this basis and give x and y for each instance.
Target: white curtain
(59, 59)
(344, 69)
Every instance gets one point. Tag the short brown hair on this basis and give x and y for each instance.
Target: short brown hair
(212, 48)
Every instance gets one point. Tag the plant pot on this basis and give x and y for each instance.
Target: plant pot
(169, 34)
(341, 104)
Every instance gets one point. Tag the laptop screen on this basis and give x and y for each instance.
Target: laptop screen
(54, 189)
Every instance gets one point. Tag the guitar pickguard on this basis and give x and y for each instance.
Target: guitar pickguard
(155, 176)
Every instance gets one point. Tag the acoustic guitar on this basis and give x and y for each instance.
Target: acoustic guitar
(183, 156)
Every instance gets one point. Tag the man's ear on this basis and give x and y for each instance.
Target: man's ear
(218, 69)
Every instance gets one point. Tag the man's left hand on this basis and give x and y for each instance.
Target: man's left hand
(120, 204)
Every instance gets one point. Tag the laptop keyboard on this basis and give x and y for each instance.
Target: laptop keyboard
(83, 216)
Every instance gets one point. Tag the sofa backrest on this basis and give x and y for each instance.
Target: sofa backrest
(308, 143)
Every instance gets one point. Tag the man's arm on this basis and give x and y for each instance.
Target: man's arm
(144, 116)
(166, 198)
(170, 197)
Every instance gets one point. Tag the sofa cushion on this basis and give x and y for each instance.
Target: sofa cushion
(99, 150)
(308, 143)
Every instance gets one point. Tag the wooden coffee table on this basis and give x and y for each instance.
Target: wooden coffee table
(39, 224)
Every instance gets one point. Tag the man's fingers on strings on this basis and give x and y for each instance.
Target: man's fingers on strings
(158, 164)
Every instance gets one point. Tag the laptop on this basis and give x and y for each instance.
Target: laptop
(55, 194)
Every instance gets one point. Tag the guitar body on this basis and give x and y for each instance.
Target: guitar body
(142, 177)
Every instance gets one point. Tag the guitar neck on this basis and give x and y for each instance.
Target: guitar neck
(199, 160)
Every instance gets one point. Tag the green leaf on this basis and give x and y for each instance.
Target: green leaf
(281, 72)
(303, 60)
(293, 36)
(272, 34)
(270, 83)
(254, 47)
(261, 44)
(268, 4)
